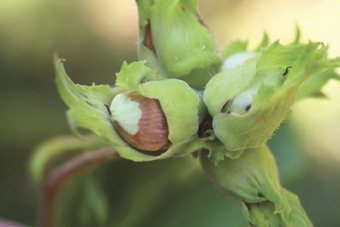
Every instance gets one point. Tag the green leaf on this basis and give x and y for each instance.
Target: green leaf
(249, 102)
(251, 178)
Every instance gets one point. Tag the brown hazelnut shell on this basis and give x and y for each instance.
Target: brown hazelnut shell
(153, 127)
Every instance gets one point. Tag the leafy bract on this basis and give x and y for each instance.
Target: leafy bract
(262, 214)
(182, 46)
(217, 151)
(248, 102)
(87, 108)
(312, 86)
(251, 178)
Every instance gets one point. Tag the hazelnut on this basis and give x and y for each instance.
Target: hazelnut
(140, 121)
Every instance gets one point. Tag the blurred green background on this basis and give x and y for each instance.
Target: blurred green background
(95, 37)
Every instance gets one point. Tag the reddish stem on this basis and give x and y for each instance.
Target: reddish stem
(58, 177)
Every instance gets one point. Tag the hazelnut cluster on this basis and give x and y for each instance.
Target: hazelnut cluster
(185, 96)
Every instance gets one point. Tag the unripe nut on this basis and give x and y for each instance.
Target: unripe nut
(140, 121)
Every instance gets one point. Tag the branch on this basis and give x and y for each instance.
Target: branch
(57, 178)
